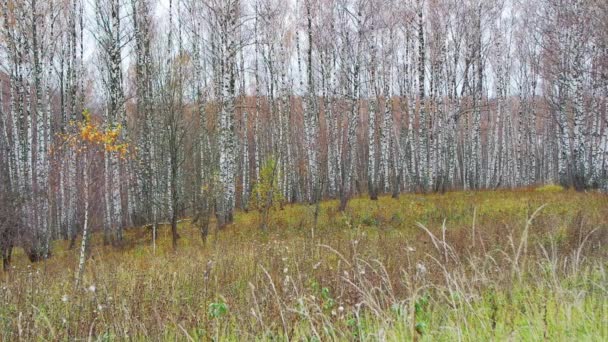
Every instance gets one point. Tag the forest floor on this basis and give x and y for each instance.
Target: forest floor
(526, 264)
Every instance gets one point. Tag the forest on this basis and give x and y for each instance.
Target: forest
(207, 136)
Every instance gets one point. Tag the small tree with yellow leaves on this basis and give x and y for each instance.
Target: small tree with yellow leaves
(266, 194)
(90, 142)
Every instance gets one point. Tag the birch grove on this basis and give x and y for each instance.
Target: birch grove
(347, 97)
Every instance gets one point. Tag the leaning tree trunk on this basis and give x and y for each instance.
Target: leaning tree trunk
(85, 229)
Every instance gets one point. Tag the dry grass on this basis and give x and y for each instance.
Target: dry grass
(459, 266)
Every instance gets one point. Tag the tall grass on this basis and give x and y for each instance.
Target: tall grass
(533, 268)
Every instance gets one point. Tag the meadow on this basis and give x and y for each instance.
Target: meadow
(522, 265)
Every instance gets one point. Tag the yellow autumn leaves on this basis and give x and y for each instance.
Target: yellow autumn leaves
(88, 134)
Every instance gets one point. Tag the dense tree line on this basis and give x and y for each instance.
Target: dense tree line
(343, 97)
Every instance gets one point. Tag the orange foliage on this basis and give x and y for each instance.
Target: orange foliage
(89, 135)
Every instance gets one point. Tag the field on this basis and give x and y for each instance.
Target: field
(475, 266)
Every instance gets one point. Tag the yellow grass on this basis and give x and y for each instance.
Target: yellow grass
(357, 275)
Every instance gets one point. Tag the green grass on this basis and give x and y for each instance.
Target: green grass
(550, 188)
(357, 276)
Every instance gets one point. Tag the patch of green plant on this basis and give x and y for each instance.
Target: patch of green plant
(368, 220)
(422, 315)
(218, 309)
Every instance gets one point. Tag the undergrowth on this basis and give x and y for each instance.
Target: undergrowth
(473, 266)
